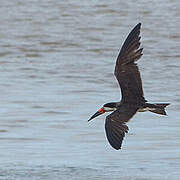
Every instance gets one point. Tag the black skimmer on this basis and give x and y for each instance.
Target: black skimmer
(128, 76)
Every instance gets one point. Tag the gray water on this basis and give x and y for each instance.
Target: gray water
(56, 70)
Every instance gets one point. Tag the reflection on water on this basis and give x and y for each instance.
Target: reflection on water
(56, 63)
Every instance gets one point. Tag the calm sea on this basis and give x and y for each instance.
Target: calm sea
(56, 69)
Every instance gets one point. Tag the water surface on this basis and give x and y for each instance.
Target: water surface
(56, 64)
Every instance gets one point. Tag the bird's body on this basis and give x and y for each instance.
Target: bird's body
(129, 79)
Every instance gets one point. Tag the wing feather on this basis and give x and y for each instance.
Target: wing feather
(126, 70)
(116, 127)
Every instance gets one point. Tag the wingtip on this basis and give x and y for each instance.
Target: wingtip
(115, 147)
(139, 24)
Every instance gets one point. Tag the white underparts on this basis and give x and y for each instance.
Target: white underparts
(106, 109)
(146, 109)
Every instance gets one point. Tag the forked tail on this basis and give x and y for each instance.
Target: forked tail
(158, 108)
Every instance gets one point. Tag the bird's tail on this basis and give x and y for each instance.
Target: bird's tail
(158, 108)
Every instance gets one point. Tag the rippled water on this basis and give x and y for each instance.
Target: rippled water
(56, 64)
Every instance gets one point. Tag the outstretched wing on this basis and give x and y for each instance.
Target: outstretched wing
(127, 72)
(116, 127)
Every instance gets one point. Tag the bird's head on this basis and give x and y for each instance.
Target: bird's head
(106, 108)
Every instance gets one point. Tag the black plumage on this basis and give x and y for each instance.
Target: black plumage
(126, 70)
(115, 124)
(128, 76)
(129, 79)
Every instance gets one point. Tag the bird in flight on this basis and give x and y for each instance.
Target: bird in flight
(133, 101)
